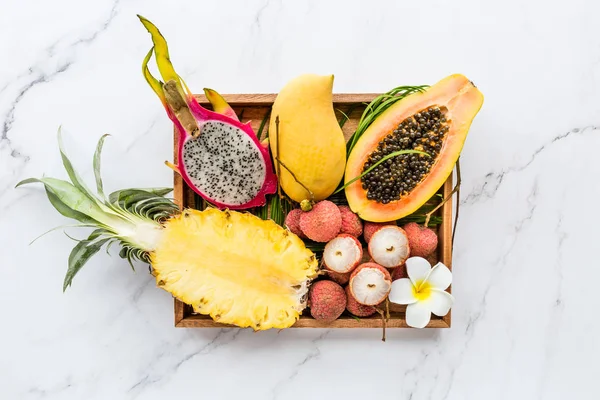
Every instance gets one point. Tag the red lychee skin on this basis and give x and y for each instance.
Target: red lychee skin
(327, 301)
(432, 258)
(355, 308)
(358, 260)
(386, 275)
(371, 227)
(351, 224)
(322, 223)
(399, 272)
(292, 221)
(338, 277)
(422, 241)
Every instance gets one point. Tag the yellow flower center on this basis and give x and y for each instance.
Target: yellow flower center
(421, 290)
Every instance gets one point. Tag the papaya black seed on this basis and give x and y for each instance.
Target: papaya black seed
(397, 176)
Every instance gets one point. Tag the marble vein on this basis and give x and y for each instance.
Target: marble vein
(259, 13)
(39, 392)
(414, 372)
(35, 76)
(557, 310)
(501, 262)
(493, 180)
(481, 304)
(145, 133)
(312, 354)
(222, 338)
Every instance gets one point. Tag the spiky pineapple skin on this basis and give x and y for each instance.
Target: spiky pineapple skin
(235, 267)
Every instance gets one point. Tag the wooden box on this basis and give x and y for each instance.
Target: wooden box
(254, 107)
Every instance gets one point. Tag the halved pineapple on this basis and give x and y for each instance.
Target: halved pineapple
(235, 267)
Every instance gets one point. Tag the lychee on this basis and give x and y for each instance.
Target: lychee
(351, 224)
(370, 284)
(399, 272)
(292, 221)
(371, 227)
(342, 254)
(355, 308)
(432, 258)
(423, 241)
(389, 246)
(322, 223)
(338, 277)
(327, 300)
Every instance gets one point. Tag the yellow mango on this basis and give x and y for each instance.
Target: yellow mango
(311, 142)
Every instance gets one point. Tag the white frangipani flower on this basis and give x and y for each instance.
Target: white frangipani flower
(424, 291)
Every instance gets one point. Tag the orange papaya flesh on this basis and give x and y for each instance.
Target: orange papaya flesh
(444, 113)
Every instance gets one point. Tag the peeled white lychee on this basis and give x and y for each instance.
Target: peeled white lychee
(389, 246)
(370, 284)
(342, 254)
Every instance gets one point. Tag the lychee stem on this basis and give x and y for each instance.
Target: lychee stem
(458, 181)
(306, 205)
(456, 189)
(280, 163)
(387, 308)
(277, 166)
(385, 316)
(383, 322)
(310, 193)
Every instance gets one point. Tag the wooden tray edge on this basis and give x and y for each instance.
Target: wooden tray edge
(267, 99)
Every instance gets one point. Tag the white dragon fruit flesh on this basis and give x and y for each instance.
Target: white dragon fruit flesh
(220, 158)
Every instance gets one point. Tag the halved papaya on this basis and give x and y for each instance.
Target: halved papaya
(436, 122)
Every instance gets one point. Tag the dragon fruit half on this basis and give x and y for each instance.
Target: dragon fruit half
(220, 158)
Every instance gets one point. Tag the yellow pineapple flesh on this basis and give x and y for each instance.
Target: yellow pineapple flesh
(235, 267)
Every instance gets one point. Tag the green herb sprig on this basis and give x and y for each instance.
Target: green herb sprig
(263, 123)
(377, 107)
(387, 157)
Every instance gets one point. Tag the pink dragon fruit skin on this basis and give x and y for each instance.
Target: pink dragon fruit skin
(219, 104)
(223, 162)
(201, 114)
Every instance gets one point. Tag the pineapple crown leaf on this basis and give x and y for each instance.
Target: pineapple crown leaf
(80, 254)
(145, 203)
(130, 254)
(131, 217)
(97, 165)
(62, 227)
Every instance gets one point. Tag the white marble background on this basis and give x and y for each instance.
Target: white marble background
(526, 274)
